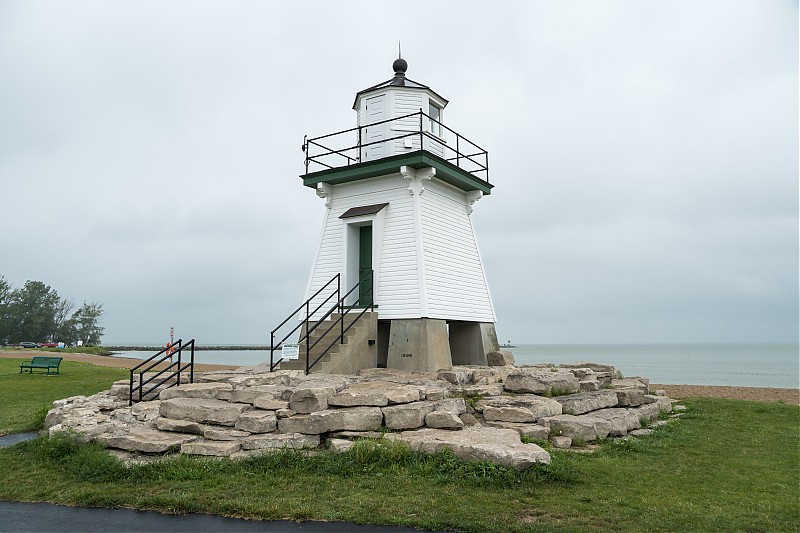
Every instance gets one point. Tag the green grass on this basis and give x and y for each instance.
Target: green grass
(25, 398)
(724, 466)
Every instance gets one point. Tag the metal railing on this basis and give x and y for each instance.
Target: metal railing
(168, 353)
(312, 325)
(336, 150)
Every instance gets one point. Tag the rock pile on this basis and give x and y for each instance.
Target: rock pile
(478, 412)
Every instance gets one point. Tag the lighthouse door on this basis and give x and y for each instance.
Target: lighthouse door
(365, 296)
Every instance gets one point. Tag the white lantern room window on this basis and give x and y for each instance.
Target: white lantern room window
(435, 114)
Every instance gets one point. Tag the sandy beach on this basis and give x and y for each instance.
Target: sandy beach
(676, 392)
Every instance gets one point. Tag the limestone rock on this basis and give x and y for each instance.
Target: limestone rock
(179, 426)
(476, 443)
(629, 397)
(406, 416)
(308, 400)
(664, 404)
(647, 411)
(540, 407)
(620, 420)
(374, 393)
(490, 376)
(534, 431)
(215, 433)
(346, 419)
(301, 424)
(584, 402)
(257, 421)
(583, 427)
(549, 382)
(597, 368)
(589, 385)
(279, 441)
(261, 392)
(630, 383)
(269, 404)
(211, 447)
(339, 445)
(504, 358)
(144, 440)
(641, 432)
(492, 389)
(561, 441)
(202, 410)
(194, 390)
(457, 375)
(507, 414)
(443, 420)
(468, 419)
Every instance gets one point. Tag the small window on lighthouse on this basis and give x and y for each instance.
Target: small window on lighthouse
(435, 114)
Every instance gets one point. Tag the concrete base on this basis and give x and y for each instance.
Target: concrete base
(471, 341)
(419, 345)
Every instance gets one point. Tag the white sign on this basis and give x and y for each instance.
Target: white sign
(290, 351)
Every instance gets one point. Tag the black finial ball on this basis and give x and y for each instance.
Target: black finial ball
(400, 66)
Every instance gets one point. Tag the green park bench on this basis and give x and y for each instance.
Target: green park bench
(43, 363)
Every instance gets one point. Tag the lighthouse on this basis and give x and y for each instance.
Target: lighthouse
(397, 280)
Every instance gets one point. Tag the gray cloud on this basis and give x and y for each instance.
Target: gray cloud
(645, 157)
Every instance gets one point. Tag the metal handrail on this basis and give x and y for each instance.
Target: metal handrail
(178, 347)
(340, 321)
(472, 154)
(272, 346)
(312, 327)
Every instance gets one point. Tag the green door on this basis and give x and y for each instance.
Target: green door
(365, 265)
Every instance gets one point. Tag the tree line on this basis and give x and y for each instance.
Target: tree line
(36, 313)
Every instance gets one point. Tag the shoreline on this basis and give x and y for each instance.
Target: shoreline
(676, 392)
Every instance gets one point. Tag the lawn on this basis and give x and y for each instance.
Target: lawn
(25, 398)
(725, 465)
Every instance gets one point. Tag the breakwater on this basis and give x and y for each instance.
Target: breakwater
(197, 347)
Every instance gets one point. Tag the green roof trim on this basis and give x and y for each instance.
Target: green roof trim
(445, 171)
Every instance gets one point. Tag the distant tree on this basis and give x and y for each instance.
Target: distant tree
(86, 322)
(5, 317)
(62, 314)
(32, 310)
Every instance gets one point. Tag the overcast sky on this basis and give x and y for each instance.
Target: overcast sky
(645, 157)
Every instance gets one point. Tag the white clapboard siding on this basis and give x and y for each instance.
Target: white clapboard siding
(398, 296)
(456, 286)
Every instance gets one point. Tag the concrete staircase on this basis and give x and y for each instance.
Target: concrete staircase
(359, 349)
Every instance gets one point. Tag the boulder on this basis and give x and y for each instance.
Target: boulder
(583, 427)
(561, 441)
(339, 445)
(507, 414)
(504, 358)
(456, 375)
(630, 383)
(202, 410)
(620, 420)
(647, 411)
(534, 431)
(279, 441)
(179, 426)
(629, 397)
(443, 420)
(308, 400)
(553, 382)
(261, 392)
(539, 406)
(598, 368)
(301, 424)
(211, 447)
(664, 404)
(346, 419)
(492, 375)
(269, 404)
(492, 389)
(194, 390)
(374, 393)
(407, 416)
(584, 402)
(257, 421)
(476, 443)
(216, 433)
(144, 440)
(589, 385)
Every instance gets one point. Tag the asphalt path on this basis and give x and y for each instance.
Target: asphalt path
(21, 516)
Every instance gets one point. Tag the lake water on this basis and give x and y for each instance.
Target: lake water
(741, 365)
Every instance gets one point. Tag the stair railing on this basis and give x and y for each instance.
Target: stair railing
(307, 304)
(168, 373)
(343, 310)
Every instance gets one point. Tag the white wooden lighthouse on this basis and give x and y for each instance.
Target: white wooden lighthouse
(399, 191)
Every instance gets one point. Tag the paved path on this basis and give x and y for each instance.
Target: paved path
(20, 516)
